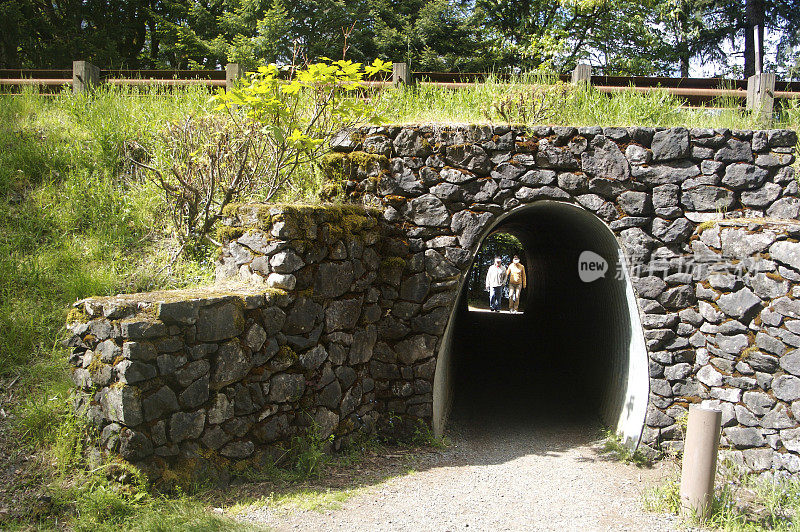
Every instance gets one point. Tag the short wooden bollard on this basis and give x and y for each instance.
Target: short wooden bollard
(582, 74)
(700, 461)
(401, 74)
(85, 77)
(233, 72)
(761, 96)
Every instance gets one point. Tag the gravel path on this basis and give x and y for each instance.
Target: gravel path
(504, 477)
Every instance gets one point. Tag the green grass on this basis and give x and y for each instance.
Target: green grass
(742, 501)
(74, 222)
(533, 100)
(303, 499)
(614, 448)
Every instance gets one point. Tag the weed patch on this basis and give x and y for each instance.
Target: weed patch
(742, 501)
(615, 448)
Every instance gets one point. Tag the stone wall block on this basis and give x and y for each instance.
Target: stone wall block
(219, 322)
(606, 161)
(182, 312)
(122, 404)
(186, 425)
(140, 329)
(231, 363)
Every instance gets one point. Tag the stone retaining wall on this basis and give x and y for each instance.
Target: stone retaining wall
(189, 380)
(348, 305)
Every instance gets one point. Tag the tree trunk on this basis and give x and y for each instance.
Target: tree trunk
(684, 67)
(754, 13)
(683, 38)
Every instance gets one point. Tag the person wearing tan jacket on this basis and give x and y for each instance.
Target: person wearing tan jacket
(516, 282)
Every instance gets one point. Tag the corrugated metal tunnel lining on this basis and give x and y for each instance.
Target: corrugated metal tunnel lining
(577, 350)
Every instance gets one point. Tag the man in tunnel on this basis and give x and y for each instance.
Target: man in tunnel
(495, 281)
(516, 282)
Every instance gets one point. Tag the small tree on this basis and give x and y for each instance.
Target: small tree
(297, 118)
(268, 129)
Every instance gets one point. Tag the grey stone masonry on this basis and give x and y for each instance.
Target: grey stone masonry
(242, 367)
(706, 217)
(341, 309)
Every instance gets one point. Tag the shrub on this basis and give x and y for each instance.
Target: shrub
(271, 129)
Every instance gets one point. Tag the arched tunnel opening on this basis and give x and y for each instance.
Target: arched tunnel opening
(575, 351)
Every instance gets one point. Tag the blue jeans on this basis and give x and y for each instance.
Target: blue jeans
(495, 297)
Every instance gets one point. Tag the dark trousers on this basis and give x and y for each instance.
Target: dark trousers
(495, 297)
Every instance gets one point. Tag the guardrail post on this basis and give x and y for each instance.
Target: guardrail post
(582, 74)
(761, 95)
(233, 71)
(700, 460)
(85, 76)
(401, 74)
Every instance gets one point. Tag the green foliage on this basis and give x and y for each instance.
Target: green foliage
(302, 113)
(423, 435)
(628, 37)
(309, 452)
(273, 130)
(618, 36)
(742, 501)
(614, 447)
(664, 498)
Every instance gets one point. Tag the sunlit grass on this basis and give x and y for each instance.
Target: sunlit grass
(303, 499)
(742, 501)
(539, 100)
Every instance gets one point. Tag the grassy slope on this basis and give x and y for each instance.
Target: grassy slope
(71, 225)
(74, 223)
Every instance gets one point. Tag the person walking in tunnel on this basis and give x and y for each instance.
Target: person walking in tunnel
(516, 282)
(495, 281)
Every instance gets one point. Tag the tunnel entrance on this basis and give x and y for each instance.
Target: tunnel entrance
(575, 351)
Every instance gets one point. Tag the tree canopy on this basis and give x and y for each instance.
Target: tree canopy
(623, 37)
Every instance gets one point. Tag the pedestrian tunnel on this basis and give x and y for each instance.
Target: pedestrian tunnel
(575, 351)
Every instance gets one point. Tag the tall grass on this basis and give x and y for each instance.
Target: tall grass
(741, 502)
(72, 224)
(533, 100)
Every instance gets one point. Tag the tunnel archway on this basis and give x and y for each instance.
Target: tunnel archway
(578, 348)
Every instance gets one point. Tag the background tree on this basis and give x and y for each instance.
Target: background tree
(625, 37)
(694, 29)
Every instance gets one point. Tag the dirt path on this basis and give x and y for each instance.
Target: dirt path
(517, 478)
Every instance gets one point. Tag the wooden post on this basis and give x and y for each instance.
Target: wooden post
(85, 76)
(233, 71)
(401, 74)
(582, 74)
(761, 95)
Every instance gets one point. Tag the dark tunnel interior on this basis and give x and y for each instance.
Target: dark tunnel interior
(565, 355)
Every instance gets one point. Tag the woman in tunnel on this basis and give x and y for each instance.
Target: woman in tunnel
(516, 282)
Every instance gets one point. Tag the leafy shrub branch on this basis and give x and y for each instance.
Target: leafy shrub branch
(258, 137)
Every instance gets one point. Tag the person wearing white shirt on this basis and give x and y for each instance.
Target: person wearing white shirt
(495, 280)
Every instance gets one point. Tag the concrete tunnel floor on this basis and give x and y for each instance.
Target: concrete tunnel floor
(569, 357)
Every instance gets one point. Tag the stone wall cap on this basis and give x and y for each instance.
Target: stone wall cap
(146, 304)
